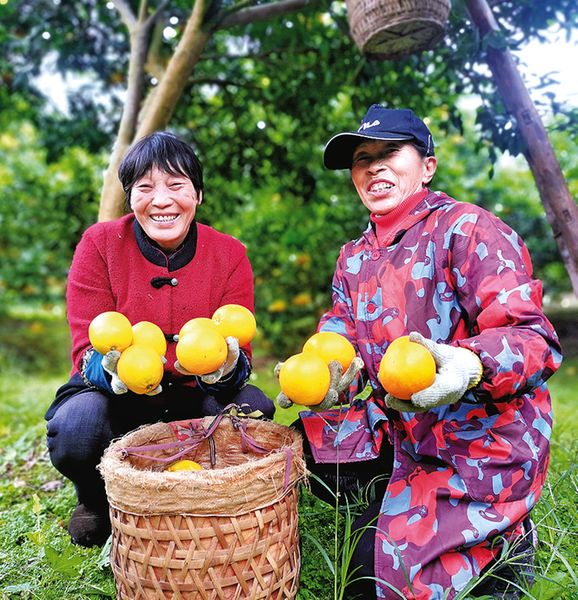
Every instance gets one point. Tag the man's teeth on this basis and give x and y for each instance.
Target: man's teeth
(380, 187)
(163, 218)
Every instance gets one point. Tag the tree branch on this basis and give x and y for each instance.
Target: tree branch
(126, 14)
(177, 72)
(263, 12)
(154, 65)
(154, 17)
(560, 206)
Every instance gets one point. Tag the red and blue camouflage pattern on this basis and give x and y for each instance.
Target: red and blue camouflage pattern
(466, 475)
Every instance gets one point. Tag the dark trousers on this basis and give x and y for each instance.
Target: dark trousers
(80, 428)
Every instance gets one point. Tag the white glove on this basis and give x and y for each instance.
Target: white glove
(226, 368)
(109, 363)
(458, 370)
(339, 383)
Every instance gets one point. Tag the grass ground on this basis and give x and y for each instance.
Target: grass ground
(37, 560)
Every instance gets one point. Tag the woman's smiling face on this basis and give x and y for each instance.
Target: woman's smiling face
(385, 173)
(165, 205)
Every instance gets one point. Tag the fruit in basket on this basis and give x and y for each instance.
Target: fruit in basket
(235, 320)
(201, 351)
(184, 465)
(140, 368)
(329, 346)
(110, 330)
(196, 323)
(305, 379)
(145, 332)
(406, 368)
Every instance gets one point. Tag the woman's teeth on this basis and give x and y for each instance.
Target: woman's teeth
(380, 187)
(163, 218)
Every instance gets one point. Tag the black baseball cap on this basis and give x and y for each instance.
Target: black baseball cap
(379, 123)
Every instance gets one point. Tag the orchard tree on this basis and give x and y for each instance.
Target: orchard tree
(258, 88)
(148, 58)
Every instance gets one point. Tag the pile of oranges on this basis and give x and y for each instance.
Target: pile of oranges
(201, 348)
(140, 366)
(305, 377)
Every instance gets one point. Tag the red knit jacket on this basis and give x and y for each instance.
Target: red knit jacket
(117, 267)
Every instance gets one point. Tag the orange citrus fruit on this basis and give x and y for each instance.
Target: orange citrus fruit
(330, 346)
(235, 320)
(110, 330)
(202, 351)
(196, 323)
(140, 368)
(305, 379)
(145, 332)
(406, 368)
(184, 465)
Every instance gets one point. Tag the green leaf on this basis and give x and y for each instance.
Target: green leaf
(322, 550)
(63, 562)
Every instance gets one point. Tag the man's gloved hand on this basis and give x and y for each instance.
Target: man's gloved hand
(227, 367)
(340, 382)
(458, 370)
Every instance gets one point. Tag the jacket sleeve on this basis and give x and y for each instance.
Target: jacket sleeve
(340, 318)
(239, 289)
(88, 294)
(492, 274)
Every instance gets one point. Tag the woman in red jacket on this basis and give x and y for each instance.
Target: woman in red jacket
(156, 264)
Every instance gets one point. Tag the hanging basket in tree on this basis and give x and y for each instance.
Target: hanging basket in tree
(393, 29)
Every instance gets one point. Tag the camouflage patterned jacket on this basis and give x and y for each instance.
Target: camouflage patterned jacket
(464, 474)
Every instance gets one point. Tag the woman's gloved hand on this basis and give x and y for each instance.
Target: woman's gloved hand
(227, 367)
(457, 370)
(340, 382)
(101, 371)
(109, 362)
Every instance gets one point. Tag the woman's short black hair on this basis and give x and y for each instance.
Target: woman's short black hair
(166, 152)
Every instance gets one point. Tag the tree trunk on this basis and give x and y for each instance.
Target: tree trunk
(560, 207)
(112, 200)
(159, 108)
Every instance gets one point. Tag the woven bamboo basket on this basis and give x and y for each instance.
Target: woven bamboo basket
(393, 29)
(226, 532)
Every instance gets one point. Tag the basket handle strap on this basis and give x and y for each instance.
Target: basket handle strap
(199, 433)
(247, 440)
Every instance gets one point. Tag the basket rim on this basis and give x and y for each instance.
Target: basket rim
(181, 513)
(250, 484)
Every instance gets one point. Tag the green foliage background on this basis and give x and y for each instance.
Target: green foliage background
(293, 240)
(260, 106)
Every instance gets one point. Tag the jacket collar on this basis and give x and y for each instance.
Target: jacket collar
(152, 252)
(432, 201)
